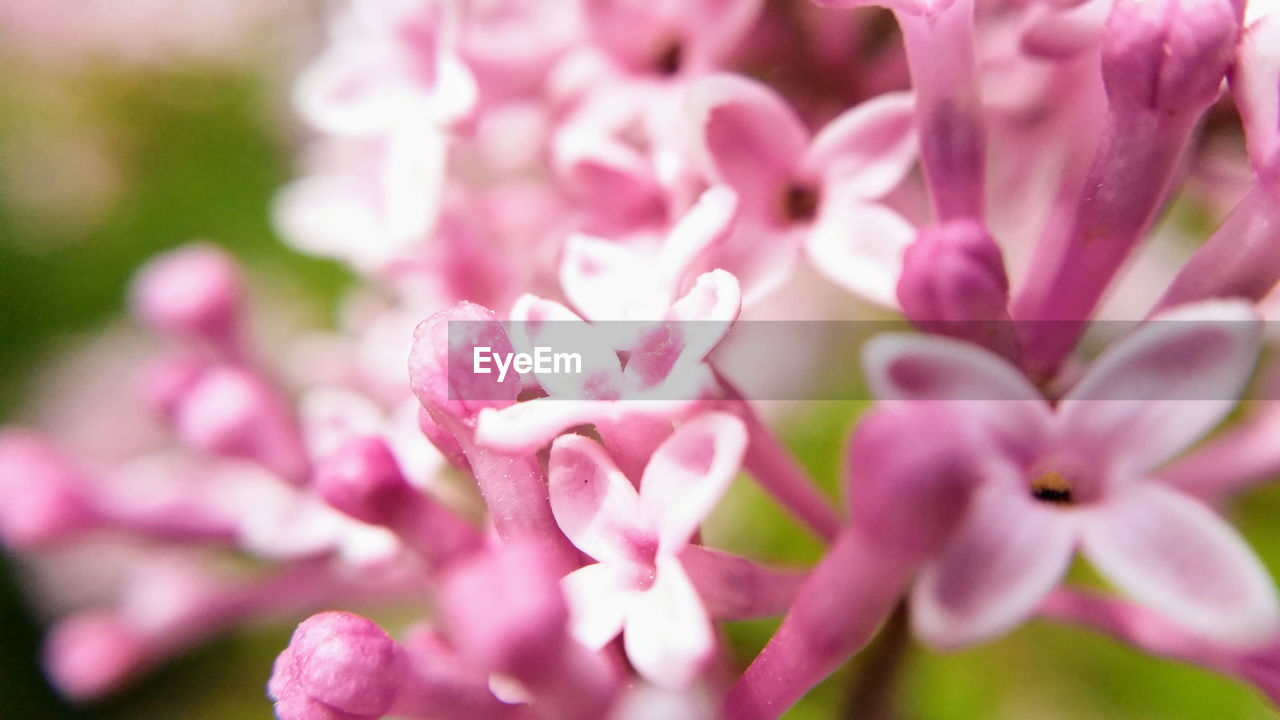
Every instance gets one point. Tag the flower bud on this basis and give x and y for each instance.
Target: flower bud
(954, 283)
(441, 363)
(505, 609)
(230, 412)
(90, 655)
(42, 498)
(1168, 56)
(194, 291)
(337, 665)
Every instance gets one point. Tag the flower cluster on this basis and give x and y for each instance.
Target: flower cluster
(508, 174)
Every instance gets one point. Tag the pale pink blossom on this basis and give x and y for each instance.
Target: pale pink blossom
(639, 587)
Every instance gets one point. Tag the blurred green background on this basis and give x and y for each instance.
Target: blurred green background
(105, 165)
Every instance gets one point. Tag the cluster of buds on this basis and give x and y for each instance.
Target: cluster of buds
(641, 181)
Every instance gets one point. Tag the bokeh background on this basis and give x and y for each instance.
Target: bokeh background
(133, 126)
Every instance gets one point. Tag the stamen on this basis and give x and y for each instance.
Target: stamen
(1052, 487)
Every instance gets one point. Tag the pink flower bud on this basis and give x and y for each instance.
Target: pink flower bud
(505, 609)
(441, 363)
(42, 497)
(231, 412)
(337, 665)
(194, 291)
(1168, 55)
(954, 283)
(363, 480)
(91, 655)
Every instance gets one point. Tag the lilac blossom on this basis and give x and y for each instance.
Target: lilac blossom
(636, 181)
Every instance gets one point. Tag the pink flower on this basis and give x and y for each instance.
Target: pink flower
(820, 193)
(639, 586)
(1080, 475)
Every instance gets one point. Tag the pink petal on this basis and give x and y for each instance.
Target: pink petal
(715, 28)
(1174, 554)
(759, 253)
(698, 321)
(859, 247)
(924, 367)
(1165, 385)
(867, 150)
(1006, 556)
(593, 502)
(688, 474)
(706, 224)
(546, 323)
(606, 280)
(527, 427)
(668, 636)
(599, 597)
(750, 137)
(614, 178)
(1253, 85)
(353, 89)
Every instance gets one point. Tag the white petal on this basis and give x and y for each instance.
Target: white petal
(668, 636)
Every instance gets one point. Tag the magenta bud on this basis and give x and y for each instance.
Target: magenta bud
(954, 283)
(42, 496)
(1168, 55)
(505, 610)
(229, 411)
(363, 480)
(908, 495)
(93, 654)
(337, 665)
(194, 291)
(442, 362)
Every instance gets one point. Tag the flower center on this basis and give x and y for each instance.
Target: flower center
(668, 61)
(800, 202)
(1054, 488)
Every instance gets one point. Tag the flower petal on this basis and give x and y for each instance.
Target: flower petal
(751, 139)
(689, 472)
(599, 597)
(539, 323)
(593, 502)
(1165, 385)
(859, 246)
(929, 367)
(413, 179)
(867, 150)
(607, 280)
(526, 427)
(1174, 554)
(355, 88)
(706, 224)
(668, 636)
(1008, 553)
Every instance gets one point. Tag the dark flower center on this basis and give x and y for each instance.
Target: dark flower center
(800, 202)
(669, 60)
(1052, 487)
